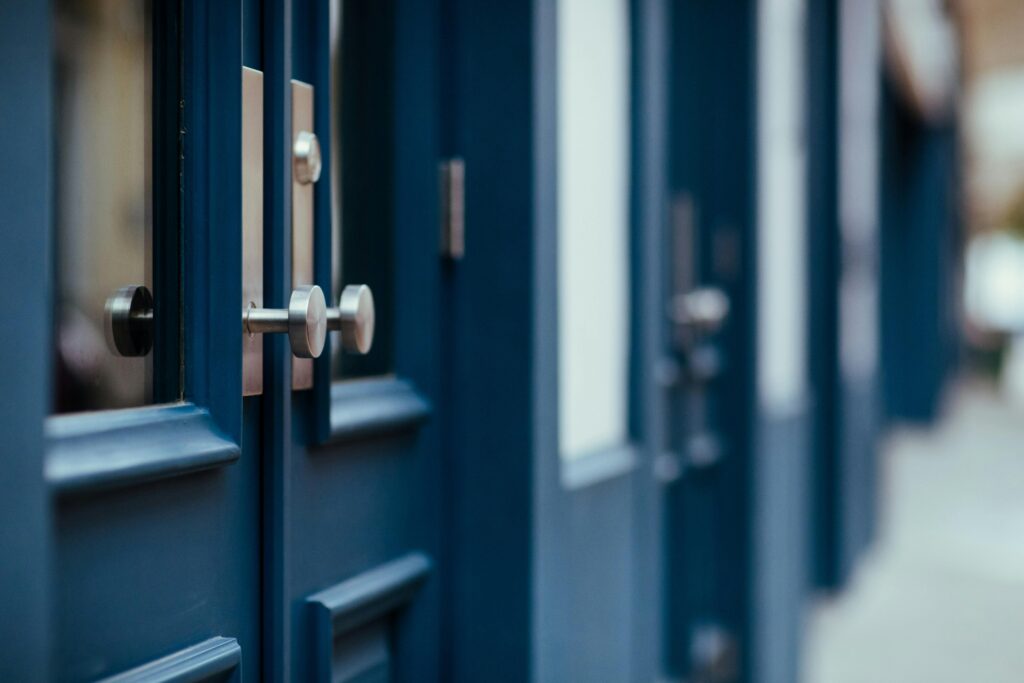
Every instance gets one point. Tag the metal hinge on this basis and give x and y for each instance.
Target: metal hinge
(453, 204)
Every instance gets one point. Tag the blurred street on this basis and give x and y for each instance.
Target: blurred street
(941, 595)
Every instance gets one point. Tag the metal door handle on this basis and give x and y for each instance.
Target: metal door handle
(306, 158)
(702, 311)
(305, 321)
(354, 318)
(129, 321)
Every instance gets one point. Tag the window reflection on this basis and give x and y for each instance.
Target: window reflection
(362, 172)
(102, 213)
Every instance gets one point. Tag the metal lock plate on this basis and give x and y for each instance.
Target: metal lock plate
(252, 225)
(252, 217)
(302, 209)
(453, 203)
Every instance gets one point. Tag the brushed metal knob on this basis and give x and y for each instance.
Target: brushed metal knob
(354, 318)
(128, 321)
(703, 310)
(306, 158)
(305, 321)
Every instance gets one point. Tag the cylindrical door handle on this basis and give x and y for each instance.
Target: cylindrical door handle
(703, 310)
(306, 157)
(305, 321)
(354, 318)
(129, 321)
(129, 313)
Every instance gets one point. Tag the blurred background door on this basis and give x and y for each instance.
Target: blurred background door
(738, 509)
(557, 112)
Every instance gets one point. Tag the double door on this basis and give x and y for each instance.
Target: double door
(238, 479)
(266, 420)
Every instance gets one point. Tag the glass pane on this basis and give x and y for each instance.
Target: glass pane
(782, 271)
(102, 196)
(593, 224)
(362, 172)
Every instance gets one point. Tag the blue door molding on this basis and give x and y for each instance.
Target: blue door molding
(25, 215)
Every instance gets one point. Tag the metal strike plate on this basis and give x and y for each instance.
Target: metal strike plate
(684, 259)
(453, 209)
(252, 225)
(302, 209)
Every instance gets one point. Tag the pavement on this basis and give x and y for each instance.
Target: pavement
(940, 597)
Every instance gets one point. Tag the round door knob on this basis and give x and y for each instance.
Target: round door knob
(306, 157)
(354, 318)
(129, 321)
(703, 310)
(305, 321)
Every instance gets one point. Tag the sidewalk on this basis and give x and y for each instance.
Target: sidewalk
(941, 596)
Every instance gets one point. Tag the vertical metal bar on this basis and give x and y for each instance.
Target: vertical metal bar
(252, 224)
(302, 221)
(453, 203)
(684, 243)
(685, 257)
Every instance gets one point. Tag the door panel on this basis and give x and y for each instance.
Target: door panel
(552, 570)
(713, 395)
(123, 561)
(739, 514)
(156, 510)
(844, 105)
(595, 292)
(353, 484)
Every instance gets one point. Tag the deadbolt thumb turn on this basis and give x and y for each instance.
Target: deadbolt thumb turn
(305, 321)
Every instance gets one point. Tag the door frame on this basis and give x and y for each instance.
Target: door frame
(90, 460)
(25, 214)
(508, 506)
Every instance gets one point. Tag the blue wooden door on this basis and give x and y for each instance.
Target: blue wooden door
(178, 523)
(708, 507)
(845, 311)
(351, 488)
(556, 110)
(152, 462)
(738, 517)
